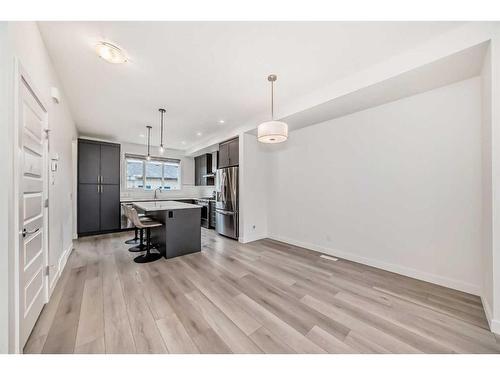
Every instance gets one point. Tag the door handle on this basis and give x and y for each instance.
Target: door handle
(26, 232)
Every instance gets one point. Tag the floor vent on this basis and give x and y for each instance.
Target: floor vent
(328, 257)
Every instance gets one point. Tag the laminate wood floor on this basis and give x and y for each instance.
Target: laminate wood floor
(261, 297)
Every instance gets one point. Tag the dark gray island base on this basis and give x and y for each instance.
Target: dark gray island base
(181, 232)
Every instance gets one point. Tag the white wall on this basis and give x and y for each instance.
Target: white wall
(188, 189)
(27, 45)
(5, 170)
(487, 232)
(254, 177)
(397, 186)
(495, 139)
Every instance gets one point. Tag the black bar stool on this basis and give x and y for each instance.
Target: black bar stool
(145, 224)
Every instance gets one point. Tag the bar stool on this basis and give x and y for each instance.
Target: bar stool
(145, 224)
(140, 247)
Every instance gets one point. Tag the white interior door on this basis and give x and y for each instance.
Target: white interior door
(32, 218)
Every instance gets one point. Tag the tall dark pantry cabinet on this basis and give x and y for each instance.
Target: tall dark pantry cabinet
(98, 187)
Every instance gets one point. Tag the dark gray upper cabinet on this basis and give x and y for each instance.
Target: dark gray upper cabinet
(234, 152)
(110, 159)
(223, 155)
(229, 153)
(98, 187)
(202, 167)
(98, 162)
(89, 162)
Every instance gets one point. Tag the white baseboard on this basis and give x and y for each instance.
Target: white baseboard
(495, 326)
(406, 271)
(252, 238)
(60, 266)
(493, 323)
(487, 310)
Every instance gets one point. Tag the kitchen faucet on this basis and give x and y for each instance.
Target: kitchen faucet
(157, 189)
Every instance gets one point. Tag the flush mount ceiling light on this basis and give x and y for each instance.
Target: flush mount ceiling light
(148, 157)
(110, 53)
(272, 131)
(162, 113)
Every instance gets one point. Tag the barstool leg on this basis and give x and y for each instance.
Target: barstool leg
(141, 246)
(149, 256)
(135, 240)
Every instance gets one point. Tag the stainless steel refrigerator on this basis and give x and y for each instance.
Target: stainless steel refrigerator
(226, 202)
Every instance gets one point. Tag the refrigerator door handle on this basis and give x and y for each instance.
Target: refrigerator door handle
(227, 213)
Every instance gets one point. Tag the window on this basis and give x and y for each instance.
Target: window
(157, 173)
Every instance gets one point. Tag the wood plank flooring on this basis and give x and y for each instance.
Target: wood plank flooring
(261, 297)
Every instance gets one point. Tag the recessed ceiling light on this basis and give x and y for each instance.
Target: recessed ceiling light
(110, 53)
(198, 134)
(141, 135)
(221, 121)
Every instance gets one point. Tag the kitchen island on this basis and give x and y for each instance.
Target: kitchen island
(181, 230)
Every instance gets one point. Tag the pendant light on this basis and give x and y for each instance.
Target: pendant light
(162, 113)
(272, 131)
(148, 158)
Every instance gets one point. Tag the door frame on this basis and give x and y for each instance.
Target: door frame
(20, 75)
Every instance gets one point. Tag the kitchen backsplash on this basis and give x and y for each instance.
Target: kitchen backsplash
(187, 191)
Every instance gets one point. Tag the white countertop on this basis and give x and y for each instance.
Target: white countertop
(164, 206)
(130, 200)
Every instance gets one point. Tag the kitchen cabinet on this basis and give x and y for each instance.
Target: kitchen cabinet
(89, 164)
(110, 164)
(109, 210)
(229, 153)
(203, 173)
(98, 187)
(88, 208)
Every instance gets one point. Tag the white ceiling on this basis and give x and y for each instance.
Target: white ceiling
(202, 72)
(457, 67)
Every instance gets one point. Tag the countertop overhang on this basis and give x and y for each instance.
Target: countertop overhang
(164, 206)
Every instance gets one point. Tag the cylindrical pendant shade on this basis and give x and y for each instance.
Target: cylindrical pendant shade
(272, 132)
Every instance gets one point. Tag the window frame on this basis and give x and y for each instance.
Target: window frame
(144, 160)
